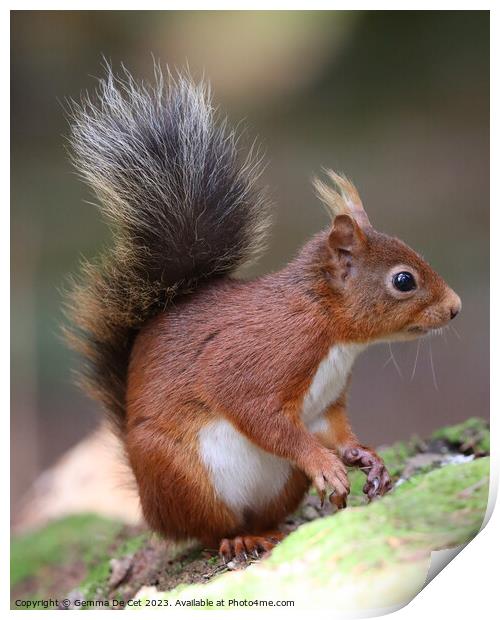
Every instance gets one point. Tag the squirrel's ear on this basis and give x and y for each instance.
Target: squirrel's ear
(346, 239)
(345, 236)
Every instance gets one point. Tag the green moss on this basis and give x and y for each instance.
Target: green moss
(132, 545)
(86, 540)
(95, 585)
(427, 511)
(378, 553)
(373, 544)
(473, 434)
(357, 480)
(62, 542)
(395, 456)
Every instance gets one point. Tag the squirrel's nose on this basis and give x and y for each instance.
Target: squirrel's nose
(455, 304)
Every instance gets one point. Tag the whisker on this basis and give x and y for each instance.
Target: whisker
(445, 329)
(455, 332)
(395, 363)
(416, 360)
(434, 380)
(387, 361)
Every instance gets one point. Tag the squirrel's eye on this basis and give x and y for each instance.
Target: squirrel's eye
(404, 281)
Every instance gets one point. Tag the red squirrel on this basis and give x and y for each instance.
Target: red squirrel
(229, 394)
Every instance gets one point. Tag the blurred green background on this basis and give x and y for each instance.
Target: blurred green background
(397, 100)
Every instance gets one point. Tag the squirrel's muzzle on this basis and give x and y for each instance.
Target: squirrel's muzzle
(454, 303)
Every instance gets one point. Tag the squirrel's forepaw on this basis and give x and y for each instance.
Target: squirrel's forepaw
(328, 474)
(378, 480)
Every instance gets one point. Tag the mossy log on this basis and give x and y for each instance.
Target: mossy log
(368, 556)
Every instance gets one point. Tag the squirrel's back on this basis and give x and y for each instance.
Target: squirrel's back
(182, 204)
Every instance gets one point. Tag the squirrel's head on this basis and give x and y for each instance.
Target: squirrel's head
(385, 288)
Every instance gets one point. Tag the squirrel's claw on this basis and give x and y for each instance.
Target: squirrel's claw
(340, 501)
(241, 548)
(378, 480)
(338, 484)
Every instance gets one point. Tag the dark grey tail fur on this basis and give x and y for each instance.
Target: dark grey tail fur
(183, 207)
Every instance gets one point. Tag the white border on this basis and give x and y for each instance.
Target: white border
(465, 589)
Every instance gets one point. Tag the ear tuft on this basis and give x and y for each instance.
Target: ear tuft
(341, 198)
(331, 198)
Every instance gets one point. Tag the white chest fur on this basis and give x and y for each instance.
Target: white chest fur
(243, 475)
(328, 382)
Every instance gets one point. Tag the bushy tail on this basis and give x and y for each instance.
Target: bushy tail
(182, 205)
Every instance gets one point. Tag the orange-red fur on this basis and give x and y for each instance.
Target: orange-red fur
(247, 352)
(186, 359)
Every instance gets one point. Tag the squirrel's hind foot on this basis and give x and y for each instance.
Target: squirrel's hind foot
(243, 548)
